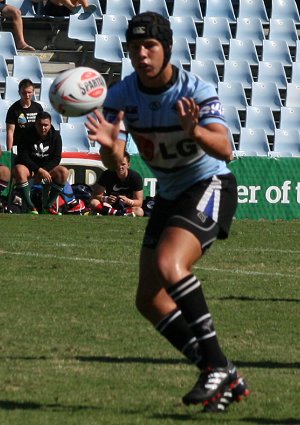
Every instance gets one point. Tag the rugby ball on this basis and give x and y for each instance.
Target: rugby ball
(77, 91)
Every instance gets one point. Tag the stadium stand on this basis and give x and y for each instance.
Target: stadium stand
(253, 9)
(220, 8)
(207, 70)
(115, 25)
(286, 143)
(74, 136)
(253, 142)
(189, 8)
(27, 66)
(120, 7)
(3, 70)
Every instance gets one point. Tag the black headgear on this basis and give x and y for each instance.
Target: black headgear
(151, 25)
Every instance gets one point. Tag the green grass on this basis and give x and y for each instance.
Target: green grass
(74, 351)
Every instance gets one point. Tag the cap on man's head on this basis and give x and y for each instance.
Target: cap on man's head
(150, 25)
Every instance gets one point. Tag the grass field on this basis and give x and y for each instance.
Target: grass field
(74, 351)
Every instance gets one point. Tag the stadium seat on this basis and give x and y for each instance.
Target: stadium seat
(283, 29)
(131, 146)
(209, 48)
(250, 29)
(44, 90)
(233, 119)
(276, 50)
(217, 27)
(266, 94)
(282, 9)
(220, 8)
(126, 67)
(272, 71)
(7, 46)
(120, 7)
(159, 6)
(238, 71)
(181, 51)
(286, 143)
(188, 8)
(82, 29)
(184, 27)
(25, 6)
(232, 93)
(295, 77)
(253, 142)
(243, 50)
(98, 14)
(3, 138)
(207, 70)
(115, 24)
(253, 9)
(11, 89)
(74, 135)
(3, 70)
(27, 67)
(77, 120)
(292, 95)
(297, 54)
(108, 48)
(289, 118)
(4, 105)
(260, 117)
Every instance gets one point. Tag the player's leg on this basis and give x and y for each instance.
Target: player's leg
(155, 304)
(22, 174)
(15, 15)
(59, 176)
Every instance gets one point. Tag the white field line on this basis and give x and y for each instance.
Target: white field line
(103, 261)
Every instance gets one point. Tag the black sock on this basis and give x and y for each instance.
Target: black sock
(175, 329)
(189, 297)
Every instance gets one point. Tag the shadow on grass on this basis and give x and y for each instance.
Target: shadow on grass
(29, 405)
(220, 417)
(234, 298)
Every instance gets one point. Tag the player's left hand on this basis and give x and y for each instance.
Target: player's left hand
(188, 113)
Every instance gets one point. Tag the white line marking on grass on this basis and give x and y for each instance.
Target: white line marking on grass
(103, 261)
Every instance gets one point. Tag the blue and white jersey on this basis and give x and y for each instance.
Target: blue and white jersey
(151, 117)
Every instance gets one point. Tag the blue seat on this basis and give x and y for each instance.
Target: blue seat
(4, 105)
(289, 118)
(217, 27)
(292, 95)
(188, 8)
(44, 89)
(276, 50)
(253, 9)
(126, 67)
(220, 8)
(115, 25)
(272, 71)
(233, 119)
(238, 71)
(250, 29)
(159, 6)
(283, 29)
(253, 142)
(3, 70)
(209, 48)
(27, 67)
(232, 93)
(120, 7)
(184, 26)
(260, 117)
(74, 136)
(181, 51)
(282, 9)
(82, 29)
(108, 48)
(56, 117)
(266, 94)
(243, 50)
(295, 77)
(207, 70)
(286, 143)
(7, 45)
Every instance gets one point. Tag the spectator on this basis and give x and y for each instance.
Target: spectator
(39, 156)
(21, 114)
(13, 13)
(119, 192)
(67, 7)
(4, 179)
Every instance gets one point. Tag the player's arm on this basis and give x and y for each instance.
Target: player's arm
(107, 135)
(213, 138)
(10, 128)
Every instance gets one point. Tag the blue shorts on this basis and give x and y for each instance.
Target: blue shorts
(206, 210)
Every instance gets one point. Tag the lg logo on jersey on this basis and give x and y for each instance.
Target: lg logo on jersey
(184, 148)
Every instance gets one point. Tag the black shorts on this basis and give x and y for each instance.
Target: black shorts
(205, 209)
